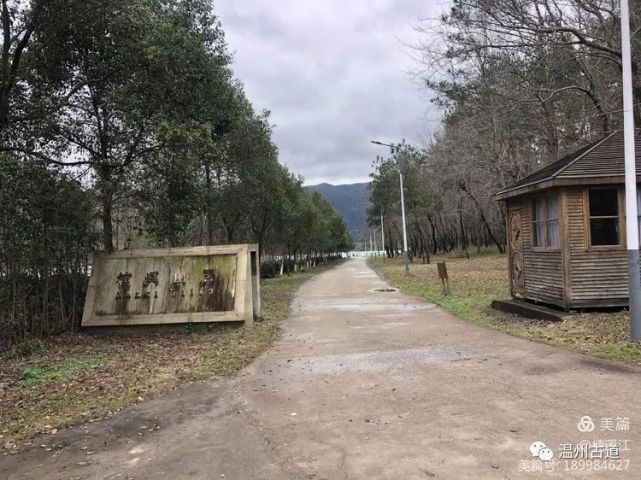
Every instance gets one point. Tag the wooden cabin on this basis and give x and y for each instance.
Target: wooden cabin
(566, 229)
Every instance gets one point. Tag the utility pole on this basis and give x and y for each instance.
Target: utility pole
(632, 225)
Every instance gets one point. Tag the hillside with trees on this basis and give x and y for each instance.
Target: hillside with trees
(351, 201)
(122, 125)
(520, 85)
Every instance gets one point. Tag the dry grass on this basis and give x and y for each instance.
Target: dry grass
(79, 377)
(474, 283)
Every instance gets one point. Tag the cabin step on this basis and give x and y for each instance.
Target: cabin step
(528, 310)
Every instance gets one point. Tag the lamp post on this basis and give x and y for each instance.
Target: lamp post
(382, 233)
(632, 226)
(400, 177)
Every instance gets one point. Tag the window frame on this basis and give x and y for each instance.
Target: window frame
(533, 223)
(620, 217)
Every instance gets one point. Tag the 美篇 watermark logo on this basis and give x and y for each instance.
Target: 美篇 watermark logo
(586, 424)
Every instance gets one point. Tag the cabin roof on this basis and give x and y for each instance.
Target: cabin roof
(601, 162)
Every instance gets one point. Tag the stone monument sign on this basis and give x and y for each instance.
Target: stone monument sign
(174, 285)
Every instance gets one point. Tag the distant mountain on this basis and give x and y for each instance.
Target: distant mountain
(351, 201)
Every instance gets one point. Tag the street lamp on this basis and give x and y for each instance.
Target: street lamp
(400, 176)
(632, 227)
(382, 233)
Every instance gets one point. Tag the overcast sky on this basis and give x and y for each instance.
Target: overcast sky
(335, 74)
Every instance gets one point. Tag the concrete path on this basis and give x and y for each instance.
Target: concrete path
(366, 385)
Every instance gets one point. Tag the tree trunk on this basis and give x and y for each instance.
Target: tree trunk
(107, 222)
(433, 228)
(482, 215)
(209, 213)
(463, 235)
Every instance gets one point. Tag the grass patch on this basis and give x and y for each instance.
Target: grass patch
(62, 370)
(475, 282)
(79, 377)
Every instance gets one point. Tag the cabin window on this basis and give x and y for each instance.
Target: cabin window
(604, 217)
(545, 222)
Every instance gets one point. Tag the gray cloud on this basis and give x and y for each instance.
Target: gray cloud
(334, 75)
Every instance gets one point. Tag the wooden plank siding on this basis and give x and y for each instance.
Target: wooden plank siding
(543, 270)
(598, 277)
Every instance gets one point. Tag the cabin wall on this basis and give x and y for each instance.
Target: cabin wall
(542, 269)
(598, 277)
